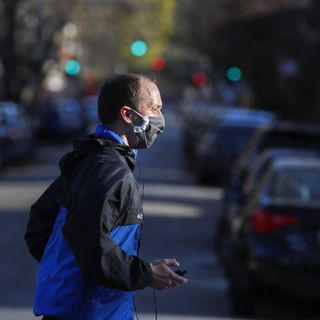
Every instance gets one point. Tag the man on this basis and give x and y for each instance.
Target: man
(85, 228)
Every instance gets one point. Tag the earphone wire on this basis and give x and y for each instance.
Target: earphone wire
(142, 198)
(135, 308)
(155, 305)
(154, 291)
(140, 175)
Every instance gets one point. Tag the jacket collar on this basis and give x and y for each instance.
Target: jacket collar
(123, 149)
(103, 131)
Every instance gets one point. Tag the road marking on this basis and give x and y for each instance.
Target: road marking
(170, 210)
(182, 191)
(19, 196)
(16, 314)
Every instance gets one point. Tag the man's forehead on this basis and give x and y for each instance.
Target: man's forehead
(150, 90)
(154, 94)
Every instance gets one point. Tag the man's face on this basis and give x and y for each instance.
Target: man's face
(150, 105)
(151, 102)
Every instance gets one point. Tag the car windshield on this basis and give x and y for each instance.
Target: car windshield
(298, 185)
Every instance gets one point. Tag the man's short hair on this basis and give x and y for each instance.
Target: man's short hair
(117, 91)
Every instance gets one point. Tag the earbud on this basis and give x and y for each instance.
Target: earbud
(126, 114)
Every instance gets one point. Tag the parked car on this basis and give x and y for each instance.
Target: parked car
(218, 149)
(198, 118)
(281, 135)
(273, 240)
(62, 117)
(2, 137)
(286, 138)
(90, 106)
(235, 193)
(16, 133)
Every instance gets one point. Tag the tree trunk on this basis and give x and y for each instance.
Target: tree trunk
(9, 57)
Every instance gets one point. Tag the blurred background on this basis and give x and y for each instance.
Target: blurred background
(231, 188)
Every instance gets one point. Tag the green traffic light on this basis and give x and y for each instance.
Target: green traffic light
(234, 74)
(139, 48)
(72, 67)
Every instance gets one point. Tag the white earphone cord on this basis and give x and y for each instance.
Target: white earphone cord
(154, 291)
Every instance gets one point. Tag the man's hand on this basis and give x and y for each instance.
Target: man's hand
(163, 276)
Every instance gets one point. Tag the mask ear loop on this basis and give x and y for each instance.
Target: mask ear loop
(143, 127)
(140, 172)
(145, 122)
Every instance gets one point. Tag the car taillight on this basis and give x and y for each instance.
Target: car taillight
(265, 221)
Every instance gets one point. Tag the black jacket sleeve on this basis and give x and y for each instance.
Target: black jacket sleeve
(42, 218)
(87, 232)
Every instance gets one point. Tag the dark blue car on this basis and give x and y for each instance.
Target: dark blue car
(218, 150)
(62, 117)
(273, 238)
(16, 133)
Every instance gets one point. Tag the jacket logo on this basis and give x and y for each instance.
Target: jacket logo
(140, 216)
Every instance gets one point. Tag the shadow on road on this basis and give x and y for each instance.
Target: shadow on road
(180, 219)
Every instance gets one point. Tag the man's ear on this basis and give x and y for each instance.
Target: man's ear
(125, 114)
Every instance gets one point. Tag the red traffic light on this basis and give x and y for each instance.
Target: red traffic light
(157, 63)
(199, 79)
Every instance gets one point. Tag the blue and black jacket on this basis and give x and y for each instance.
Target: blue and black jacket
(85, 231)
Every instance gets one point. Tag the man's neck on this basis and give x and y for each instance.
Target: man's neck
(118, 129)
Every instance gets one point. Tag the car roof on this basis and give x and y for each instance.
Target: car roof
(296, 162)
(241, 124)
(279, 156)
(282, 135)
(283, 151)
(8, 104)
(290, 130)
(254, 116)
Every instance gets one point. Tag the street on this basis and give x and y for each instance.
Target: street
(180, 219)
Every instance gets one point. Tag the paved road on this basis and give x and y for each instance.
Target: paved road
(179, 223)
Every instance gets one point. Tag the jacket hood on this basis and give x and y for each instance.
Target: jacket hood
(81, 148)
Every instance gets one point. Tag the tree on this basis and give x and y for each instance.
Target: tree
(275, 42)
(27, 40)
(107, 30)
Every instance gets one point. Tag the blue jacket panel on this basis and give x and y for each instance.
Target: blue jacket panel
(61, 290)
(102, 303)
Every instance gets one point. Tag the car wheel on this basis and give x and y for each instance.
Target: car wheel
(203, 178)
(1, 158)
(243, 287)
(244, 295)
(242, 299)
(221, 239)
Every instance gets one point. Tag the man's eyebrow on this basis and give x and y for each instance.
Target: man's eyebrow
(157, 106)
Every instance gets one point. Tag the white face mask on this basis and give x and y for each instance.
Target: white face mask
(147, 130)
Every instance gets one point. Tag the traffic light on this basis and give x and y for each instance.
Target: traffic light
(234, 74)
(157, 63)
(199, 79)
(72, 67)
(139, 48)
